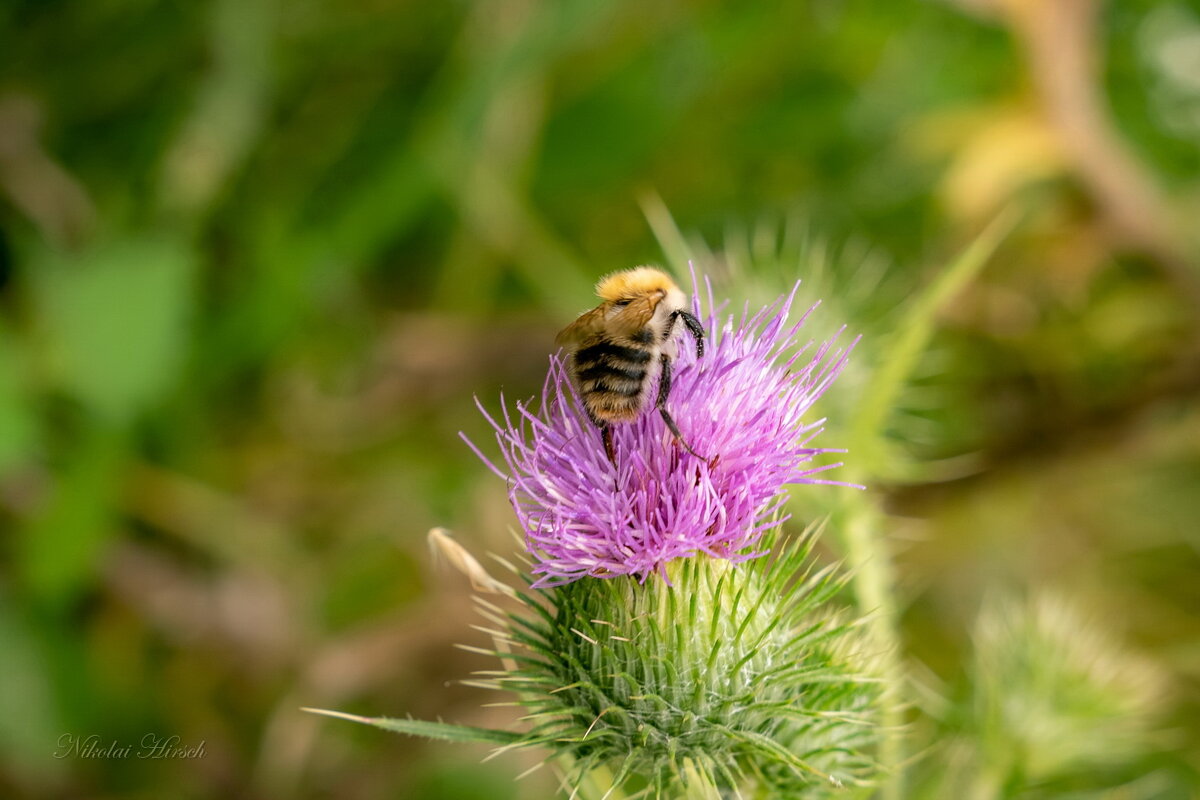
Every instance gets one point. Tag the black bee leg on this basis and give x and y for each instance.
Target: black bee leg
(695, 329)
(664, 389)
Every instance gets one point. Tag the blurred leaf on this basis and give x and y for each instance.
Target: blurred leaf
(369, 579)
(674, 244)
(29, 721)
(1008, 149)
(17, 423)
(429, 730)
(115, 321)
(462, 781)
(229, 107)
(911, 338)
(59, 547)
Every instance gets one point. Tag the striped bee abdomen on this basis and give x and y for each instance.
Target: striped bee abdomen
(612, 379)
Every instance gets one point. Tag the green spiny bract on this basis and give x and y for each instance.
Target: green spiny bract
(738, 677)
(1055, 694)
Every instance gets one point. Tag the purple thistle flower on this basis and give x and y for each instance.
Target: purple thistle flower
(742, 406)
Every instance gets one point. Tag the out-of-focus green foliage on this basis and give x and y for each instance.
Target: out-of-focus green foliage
(256, 257)
(1056, 709)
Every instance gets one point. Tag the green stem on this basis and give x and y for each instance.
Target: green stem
(860, 517)
(867, 555)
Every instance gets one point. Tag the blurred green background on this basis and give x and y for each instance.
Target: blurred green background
(256, 259)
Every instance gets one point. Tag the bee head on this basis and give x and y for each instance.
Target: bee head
(639, 283)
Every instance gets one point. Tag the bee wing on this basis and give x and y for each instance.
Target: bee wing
(636, 315)
(589, 324)
(631, 319)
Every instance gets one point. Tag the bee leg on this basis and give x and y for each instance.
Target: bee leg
(694, 328)
(664, 389)
(606, 436)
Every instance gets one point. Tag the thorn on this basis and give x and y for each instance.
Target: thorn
(338, 715)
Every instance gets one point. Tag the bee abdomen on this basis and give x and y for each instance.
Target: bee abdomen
(612, 379)
(612, 365)
(615, 354)
(616, 389)
(619, 381)
(610, 373)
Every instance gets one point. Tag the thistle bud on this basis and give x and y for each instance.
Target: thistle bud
(737, 677)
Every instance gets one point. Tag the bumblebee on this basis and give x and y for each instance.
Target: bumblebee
(621, 345)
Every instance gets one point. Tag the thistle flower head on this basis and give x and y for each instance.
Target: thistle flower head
(743, 405)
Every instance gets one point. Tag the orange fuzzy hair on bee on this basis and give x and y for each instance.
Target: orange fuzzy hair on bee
(633, 282)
